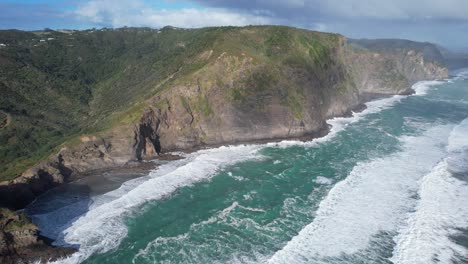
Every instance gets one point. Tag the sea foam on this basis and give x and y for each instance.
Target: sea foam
(101, 229)
(340, 123)
(442, 208)
(374, 198)
(421, 88)
(441, 211)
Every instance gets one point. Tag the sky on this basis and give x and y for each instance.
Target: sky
(440, 21)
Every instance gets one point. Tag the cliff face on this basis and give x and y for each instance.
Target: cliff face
(391, 66)
(237, 99)
(253, 83)
(391, 72)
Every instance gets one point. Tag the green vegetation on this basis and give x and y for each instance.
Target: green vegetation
(278, 41)
(203, 105)
(57, 85)
(254, 85)
(11, 221)
(184, 103)
(295, 101)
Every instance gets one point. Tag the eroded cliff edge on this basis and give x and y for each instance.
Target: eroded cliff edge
(287, 88)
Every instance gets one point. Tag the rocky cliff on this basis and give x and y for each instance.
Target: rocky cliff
(391, 72)
(247, 84)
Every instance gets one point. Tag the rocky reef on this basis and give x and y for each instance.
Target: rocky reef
(20, 241)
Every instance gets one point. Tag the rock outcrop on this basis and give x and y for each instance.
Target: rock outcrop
(21, 243)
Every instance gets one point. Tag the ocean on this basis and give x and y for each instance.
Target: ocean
(387, 185)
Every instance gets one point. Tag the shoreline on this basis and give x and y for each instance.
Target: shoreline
(136, 169)
(101, 181)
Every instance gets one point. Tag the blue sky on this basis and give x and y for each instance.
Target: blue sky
(440, 21)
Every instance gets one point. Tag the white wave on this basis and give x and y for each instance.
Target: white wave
(53, 223)
(191, 249)
(461, 73)
(323, 180)
(372, 107)
(101, 229)
(441, 209)
(458, 140)
(340, 123)
(375, 197)
(421, 88)
(458, 147)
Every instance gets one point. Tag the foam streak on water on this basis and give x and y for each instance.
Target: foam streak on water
(102, 228)
(340, 123)
(421, 88)
(442, 209)
(373, 198)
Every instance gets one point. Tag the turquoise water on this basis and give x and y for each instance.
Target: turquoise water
(388, 185)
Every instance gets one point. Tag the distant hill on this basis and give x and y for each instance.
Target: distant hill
(432, 52)
(455, 59)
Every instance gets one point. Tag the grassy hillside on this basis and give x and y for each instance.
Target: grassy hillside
(57, 85)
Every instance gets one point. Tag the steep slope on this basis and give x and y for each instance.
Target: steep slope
(57, 85)
(391, 71)
(114, 96)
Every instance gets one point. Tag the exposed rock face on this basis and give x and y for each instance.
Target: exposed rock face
(116, 148)
(21, 191)
(178, 123)
(220, 107)
(391, 72)
(21, 243)
(236, 98)
(147, 143)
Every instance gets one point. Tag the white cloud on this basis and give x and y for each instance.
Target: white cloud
(201, 18)
(336, 9)
(136, 13)
(444, 21)
(395, 9)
